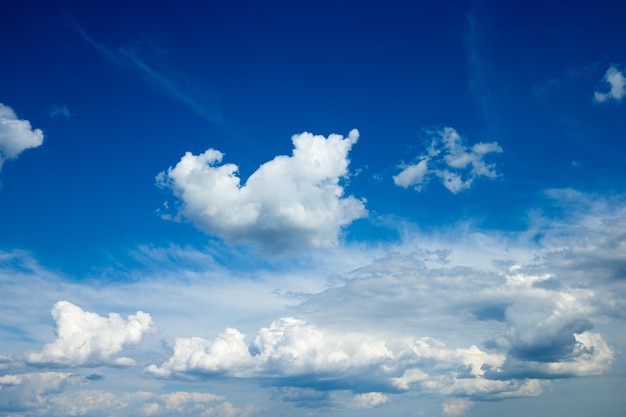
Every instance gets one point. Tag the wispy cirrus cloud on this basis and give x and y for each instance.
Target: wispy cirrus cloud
(129, 56)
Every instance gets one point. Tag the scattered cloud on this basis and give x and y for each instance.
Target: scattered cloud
(61, 111)
(50, 393)
(85, 338)
(464, 316)
(289, 202)
(16, 135)
(616, 80)
(448, 159)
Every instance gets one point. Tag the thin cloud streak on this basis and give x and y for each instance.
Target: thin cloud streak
(123, 56)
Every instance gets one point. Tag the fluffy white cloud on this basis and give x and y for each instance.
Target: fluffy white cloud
(290, 201)
(448, 159)
(85, 338)
(615, 78)
(16, 135)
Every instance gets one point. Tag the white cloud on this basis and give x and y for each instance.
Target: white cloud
(85, 338)
(615, 78)
(16, 135)
(448, 159)
(289, 202)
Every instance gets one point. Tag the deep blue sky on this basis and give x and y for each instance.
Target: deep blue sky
(122, 90)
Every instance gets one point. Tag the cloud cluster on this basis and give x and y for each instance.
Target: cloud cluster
(616, 80)
(289, 202)
(50, 393)
(448, 159)
(16, 135)
(499, 325)
(85, 338)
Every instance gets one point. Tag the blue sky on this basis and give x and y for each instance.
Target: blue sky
(312, 208)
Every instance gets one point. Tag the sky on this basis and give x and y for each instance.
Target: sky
(315, 208)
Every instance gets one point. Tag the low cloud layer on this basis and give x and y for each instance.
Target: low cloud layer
(85, 338)
(449, 160)
(289, 202)
(16, 135)
(617, 83)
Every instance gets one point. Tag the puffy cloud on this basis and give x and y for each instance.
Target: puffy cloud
(290, 201)
(85, 338)
(615, 78)
(16, 135)
(448, 159)
(293, 353)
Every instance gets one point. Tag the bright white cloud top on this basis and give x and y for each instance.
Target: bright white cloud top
(289, 202)
(16, 135)
(85, 338)
(617, 83)
(449, 160)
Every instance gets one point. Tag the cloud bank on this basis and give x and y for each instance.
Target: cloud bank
(449, 160)
(87, 339)
(289, 202)
(16, 135)
(615, 78)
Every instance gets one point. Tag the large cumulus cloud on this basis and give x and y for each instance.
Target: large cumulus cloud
(290, 201)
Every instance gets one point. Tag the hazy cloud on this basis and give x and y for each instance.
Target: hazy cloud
(615, 79)
(61, 111)
(449, 160)
(289, 202)
(85, 338)
(16, 135)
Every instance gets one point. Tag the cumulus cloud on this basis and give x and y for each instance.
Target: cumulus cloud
(449, 160)
(85, 338)
(617, 83)
(16, 135)
(292, 352)
(290, 201)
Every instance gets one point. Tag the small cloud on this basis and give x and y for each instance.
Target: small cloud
(16, 135)
(575, 164)
(450, 160)
(456, 407)
(289, 202)
(61, 111)
(617, 82)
